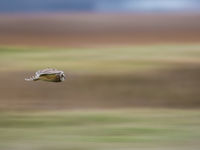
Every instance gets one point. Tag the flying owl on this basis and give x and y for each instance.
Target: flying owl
(49, 74)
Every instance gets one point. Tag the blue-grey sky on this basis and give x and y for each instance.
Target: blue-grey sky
(12, 6)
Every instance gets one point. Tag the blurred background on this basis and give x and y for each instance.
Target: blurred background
(132, 67)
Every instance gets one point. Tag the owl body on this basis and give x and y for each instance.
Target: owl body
(49, 74)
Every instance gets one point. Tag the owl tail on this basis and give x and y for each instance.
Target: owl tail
(33, 78)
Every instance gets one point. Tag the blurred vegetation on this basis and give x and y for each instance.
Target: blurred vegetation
(94, 129)
(103, 77)
(99, 60)
(115, 97)
(168, 76)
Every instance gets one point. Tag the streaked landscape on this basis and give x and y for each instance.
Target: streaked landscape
(133, 75)
(162, 75)
(98, 29)
(140, 129)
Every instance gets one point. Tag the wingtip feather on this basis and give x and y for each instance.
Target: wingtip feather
(28, 79)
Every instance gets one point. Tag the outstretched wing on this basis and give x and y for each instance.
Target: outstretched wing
(48, 71)
(48, 74)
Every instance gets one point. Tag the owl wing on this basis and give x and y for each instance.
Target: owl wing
(48, 77)
(48, 71)
(45, 74)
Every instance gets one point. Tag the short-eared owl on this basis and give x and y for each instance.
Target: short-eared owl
(49, 74)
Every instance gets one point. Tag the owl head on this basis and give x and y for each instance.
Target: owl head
(62, 76)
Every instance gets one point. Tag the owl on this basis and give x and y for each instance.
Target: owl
(49, 74)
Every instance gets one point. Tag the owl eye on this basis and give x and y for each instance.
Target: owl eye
(62, 75)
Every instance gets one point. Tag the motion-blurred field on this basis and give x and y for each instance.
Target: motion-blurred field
(133, 82)
(83, 29)
(109, 77)
(141, 129)
(103, 60)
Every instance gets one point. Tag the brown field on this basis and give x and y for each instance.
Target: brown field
(133, 82)
(170, 88)
(97, 29)
(160, 87)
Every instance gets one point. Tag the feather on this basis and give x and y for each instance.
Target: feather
(33, 78)
(48, 71)
(48, 74)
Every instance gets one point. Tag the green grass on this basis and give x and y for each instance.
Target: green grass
(95, 130)
(95, 60)
(150, 129)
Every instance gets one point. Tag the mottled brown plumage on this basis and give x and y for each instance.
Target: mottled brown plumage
(49, 74)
